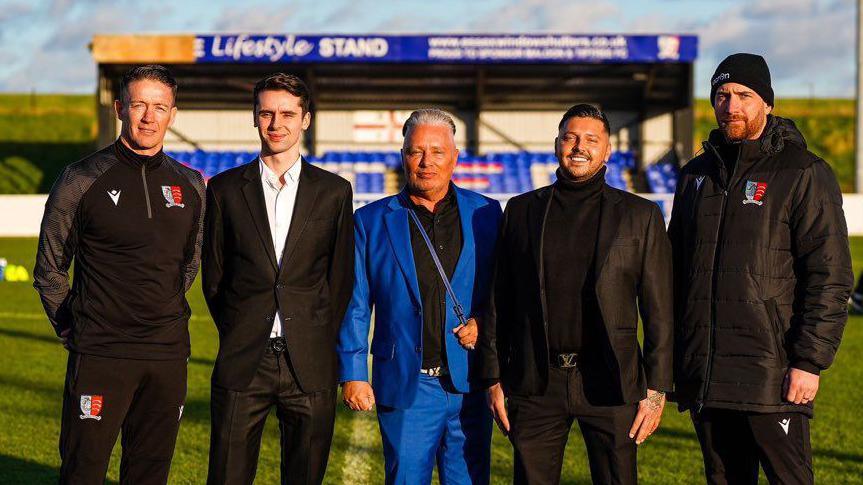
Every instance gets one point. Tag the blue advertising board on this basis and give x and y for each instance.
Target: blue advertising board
(445, 49)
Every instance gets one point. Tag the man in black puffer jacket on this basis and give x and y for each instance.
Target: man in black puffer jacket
(762, 277)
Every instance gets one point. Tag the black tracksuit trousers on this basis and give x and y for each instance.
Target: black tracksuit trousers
(103, 395)
(734, 443)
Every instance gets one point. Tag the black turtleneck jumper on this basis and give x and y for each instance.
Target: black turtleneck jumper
(569, 247)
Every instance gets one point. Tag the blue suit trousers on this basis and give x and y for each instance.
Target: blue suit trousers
(443, 427)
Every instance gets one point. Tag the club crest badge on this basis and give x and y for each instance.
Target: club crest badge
(755, 192)
(173, 195)
(91, 406)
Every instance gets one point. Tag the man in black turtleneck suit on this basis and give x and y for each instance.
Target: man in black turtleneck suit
(131, 218)
(577, 262)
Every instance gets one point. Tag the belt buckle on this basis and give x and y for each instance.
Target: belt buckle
(566, 361)
(278, 345)
(434, 371)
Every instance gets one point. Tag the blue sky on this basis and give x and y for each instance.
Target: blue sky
(809, 44)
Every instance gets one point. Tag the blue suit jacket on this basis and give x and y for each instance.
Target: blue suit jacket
(386, 280)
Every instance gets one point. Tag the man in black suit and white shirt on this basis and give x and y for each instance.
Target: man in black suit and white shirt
(278, 270)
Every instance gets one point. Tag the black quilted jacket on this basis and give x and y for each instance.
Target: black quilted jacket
(762, 271)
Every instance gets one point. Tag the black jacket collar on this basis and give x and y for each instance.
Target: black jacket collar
(126, 155)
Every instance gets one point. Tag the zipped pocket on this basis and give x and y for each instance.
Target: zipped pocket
(776, 326)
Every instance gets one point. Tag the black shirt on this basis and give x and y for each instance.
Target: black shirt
(443, 228)
(569, 248)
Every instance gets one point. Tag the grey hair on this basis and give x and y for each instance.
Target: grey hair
(428, 116)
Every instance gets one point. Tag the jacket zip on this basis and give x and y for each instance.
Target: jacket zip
(146, 190)
(711, 336)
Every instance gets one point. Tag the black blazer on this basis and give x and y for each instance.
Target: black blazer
(633, 274)
(244, 286)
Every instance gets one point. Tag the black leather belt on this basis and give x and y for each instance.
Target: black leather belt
(277, 345)
(564, 361)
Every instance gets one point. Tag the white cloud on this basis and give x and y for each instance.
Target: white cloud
(252, 18)
(62, 61)
(548, 16)
(803, 41)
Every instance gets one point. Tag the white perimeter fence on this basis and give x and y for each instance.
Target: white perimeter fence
(20, 215)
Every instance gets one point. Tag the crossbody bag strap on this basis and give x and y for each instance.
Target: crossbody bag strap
(457, 308)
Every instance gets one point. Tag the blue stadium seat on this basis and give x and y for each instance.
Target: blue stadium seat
(492, 172)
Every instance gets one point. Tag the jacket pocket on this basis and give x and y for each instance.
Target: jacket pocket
(383, 350)
(78, 358)
(778, 333)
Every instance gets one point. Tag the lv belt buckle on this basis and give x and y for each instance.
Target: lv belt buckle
(565, 361)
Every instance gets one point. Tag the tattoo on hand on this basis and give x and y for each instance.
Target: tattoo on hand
(654, 401)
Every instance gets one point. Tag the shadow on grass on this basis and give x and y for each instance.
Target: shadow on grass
(6, 332)
(842, 456)
(53, 340)
(17, 470)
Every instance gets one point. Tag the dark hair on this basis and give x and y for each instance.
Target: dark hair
(585, 111)
(284, 82)
(153, 72)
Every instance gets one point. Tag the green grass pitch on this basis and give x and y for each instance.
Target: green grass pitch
(32, 365)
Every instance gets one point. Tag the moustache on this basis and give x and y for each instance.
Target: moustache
(731, 118)
(582, 154)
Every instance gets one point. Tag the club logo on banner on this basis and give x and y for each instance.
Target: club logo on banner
(669, 47)
(91, 406)
(755, 191)
(174, 195)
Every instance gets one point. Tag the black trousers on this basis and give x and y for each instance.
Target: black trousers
(103, 395)
(306, 424)
(539, 428)
(735, 442)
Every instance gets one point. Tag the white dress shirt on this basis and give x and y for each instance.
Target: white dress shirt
(279, 199)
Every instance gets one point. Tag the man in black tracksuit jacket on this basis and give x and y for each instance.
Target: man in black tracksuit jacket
(131, 218)
(762, 276)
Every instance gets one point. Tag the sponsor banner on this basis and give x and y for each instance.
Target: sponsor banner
(444, 49)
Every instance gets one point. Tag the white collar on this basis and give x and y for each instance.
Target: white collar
(269, 177)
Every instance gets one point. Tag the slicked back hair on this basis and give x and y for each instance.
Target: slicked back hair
(152, 72)
(585, 111)
(428, 116)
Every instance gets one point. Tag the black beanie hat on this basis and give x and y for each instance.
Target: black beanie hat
(749, 70)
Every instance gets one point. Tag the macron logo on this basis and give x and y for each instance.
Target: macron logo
(722, 77)
(114, 195)
(784, 423)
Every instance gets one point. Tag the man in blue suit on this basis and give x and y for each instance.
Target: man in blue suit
(430, 407)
